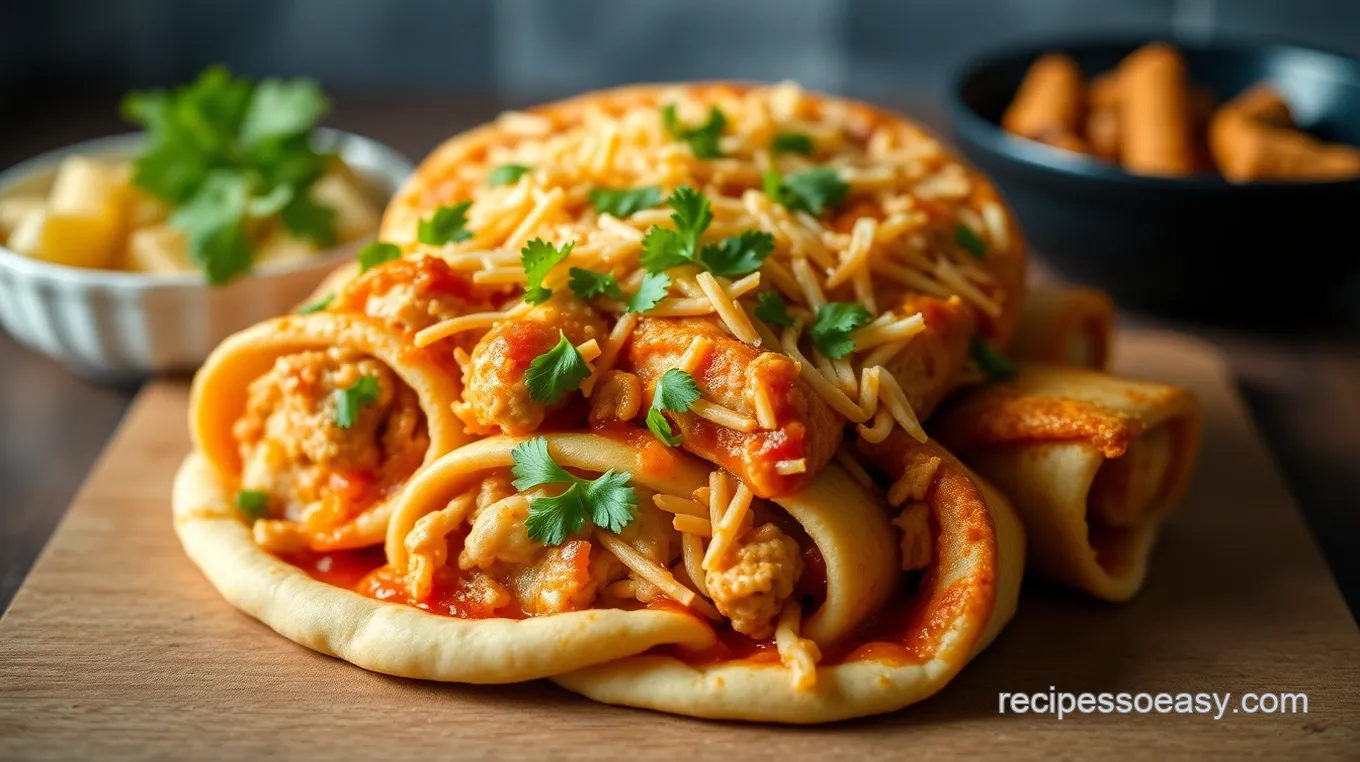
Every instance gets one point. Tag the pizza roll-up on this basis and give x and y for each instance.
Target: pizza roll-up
(1092, 462)
(956, 575)
(1064, 326)
(1253, 137)
(313, 422)
(1050, 104)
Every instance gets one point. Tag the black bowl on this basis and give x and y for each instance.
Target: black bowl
(1270, 254)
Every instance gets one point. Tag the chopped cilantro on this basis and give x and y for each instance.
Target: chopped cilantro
(365, 391)
(652, 290)
(253, 503)
(991, 362)
(792, 142)
(675, 391)
(970, 241)
(737, 255)
(703, 140)
(624, 202)
(447, 225)
(375, 253)
(555, 372)
(588, 284)
(607, 500)
(835, 321)
(538, 258)
(316, 306)
(506, 174)
(771, 308)
(812, 190)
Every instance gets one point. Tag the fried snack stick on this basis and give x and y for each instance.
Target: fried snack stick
(1156, 126)
(1102, 116)
(1048, 107)
(1253, 137)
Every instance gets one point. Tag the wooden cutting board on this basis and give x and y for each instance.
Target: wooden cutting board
(117, 647)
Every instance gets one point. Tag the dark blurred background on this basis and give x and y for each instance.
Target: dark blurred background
(524, 49)
(412, 72)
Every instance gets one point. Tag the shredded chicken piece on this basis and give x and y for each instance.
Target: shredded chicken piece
(652, 535)
(498, 535)
(751, 590)
(278, 536)
(427, 544)
(915, 482)
(559, 580)
(413, 294)
(496, 394)
(291, 447)
(917, 543)
(618, 398)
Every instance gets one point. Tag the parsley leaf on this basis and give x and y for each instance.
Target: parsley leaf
(448, 225)
(624, 202)
(555, 372)
(770, 307)
(970, 241)
(365, 391)
(316, 306)
(222, 150)
(653, 289)
(812, 190)
(675, 391)
(608, 499)
(835, 321)
(507, 174)
(792, 142)
(253, 503)
(588, 284)
(375, 253)
(538, 258)
(737, 255)
(703, 140)
(989, 361)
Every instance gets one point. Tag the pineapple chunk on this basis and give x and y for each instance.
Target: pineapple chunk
(144, 209)
(160, 248)
(28, 232)
(356, 216)
(84, 225)
(280, 246)
(14, 209)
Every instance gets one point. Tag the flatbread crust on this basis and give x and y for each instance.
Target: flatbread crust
(971, 593)
(1044, 438)
(392, 638)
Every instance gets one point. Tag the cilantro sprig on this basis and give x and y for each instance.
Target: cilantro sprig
(448, 224)
(506, 174)
(735, 256)
(588, 284)
(653, 289)
(792, 142)
(703, 140)
(375, 253)
(991, 362)
(225, 151)
(608, 500)
(349, 401)
(771, 308)
(624, 202)
(555, 372)
(675, 391)
(811, 190)
(253, 503)
(970, 241)
(835, 322)
(538, 258)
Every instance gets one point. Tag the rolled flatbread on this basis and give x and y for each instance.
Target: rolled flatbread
(1092, 462)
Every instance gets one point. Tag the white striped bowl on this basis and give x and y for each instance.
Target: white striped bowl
(114, 325)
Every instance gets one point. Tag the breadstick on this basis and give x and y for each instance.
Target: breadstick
(1154, 110)
(1048, 107)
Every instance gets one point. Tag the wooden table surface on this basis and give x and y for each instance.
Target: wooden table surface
(1303, 391)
